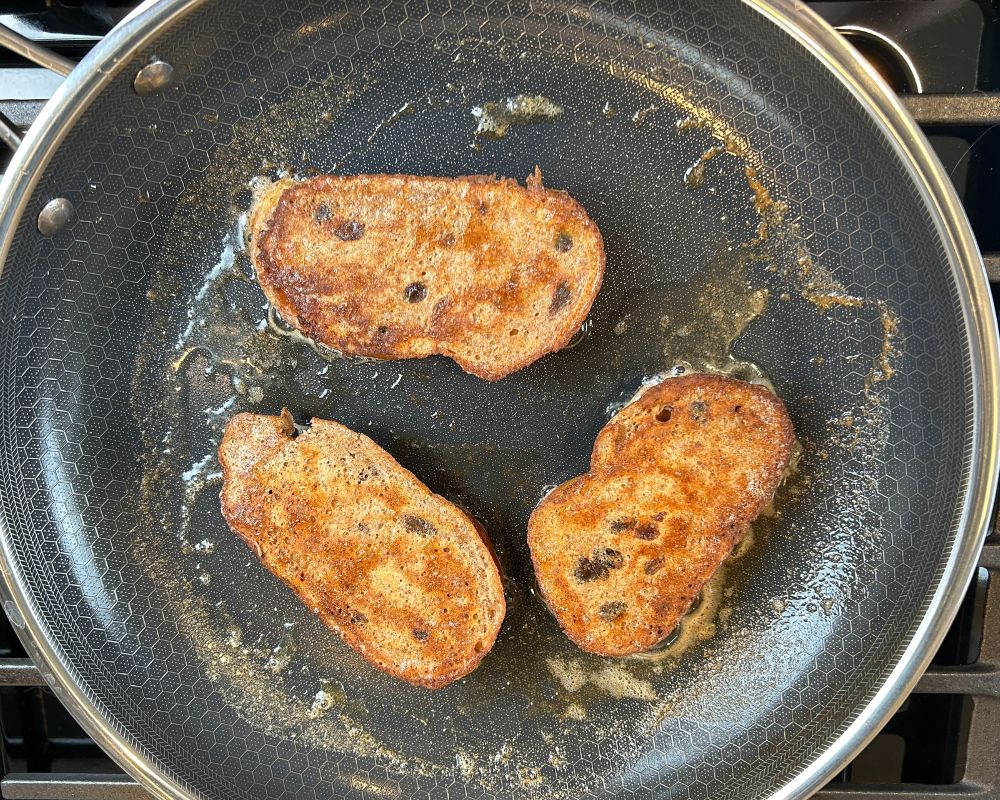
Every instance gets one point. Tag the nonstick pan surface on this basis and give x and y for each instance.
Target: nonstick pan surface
(767, 210)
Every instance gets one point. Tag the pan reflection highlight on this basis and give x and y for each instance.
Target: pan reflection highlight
(76, 539)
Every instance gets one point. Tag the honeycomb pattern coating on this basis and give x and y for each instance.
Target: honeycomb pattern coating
(820, 607)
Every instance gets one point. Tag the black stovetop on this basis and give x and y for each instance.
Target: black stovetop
(944, 740)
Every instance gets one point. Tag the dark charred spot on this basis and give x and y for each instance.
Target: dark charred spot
(357, 618)
(599, 565)
(418, 525)
(560, 297)
(737, 409)
(416, 292)
(448, 240)
(610, 611)
(653, 566)
(699, 410)
(483, 208)
(625, 524)
(419, 635)
(381, 332)
(659, 517)
(322, 213)
(664, 414)
(564, 242)
(363, 527)
(348, 230)
(646, 532)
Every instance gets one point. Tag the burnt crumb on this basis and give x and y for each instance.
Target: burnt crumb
(483, 208)
(322, 213)
(660, 516)
(646, 532)
(418, 525)
(419, 635)
(448, 240)
(357, 618)
(363, 527)
(610, 611)
(619, 525)
(599, 565)
(560, 297)
(699, 410)
(348, 230)
(381, 332)
(653, 566)
(564, 242)
(416, 292)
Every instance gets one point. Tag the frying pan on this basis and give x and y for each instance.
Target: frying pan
(768, 211)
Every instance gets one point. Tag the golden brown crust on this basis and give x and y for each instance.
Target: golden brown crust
(405, 577)
(675, 480)
(482, 270)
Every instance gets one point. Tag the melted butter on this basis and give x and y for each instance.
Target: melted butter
(771, 212)
(694, 177)
(280, 328)
(819, 287)
(707, 315)
(494, 119)
(643, 114)
(326, 699)
(702, 620)
(813, 282)
(882, 368)
(611, 678)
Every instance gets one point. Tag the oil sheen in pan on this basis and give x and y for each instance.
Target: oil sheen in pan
(227, 358)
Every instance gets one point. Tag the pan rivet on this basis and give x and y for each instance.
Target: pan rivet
(154, 77)
(54, 216)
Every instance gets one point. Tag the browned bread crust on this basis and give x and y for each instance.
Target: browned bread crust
(405, 577)
(675, 480)
(487, 272)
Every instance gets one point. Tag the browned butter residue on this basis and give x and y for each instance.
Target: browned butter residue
(695, 175)
(882, 369)
(819, 287)
(771, 212)
(708, 314)
(814, 283)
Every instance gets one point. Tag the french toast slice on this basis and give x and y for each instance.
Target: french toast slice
(676, 478)
(483, 270)
(404, 576)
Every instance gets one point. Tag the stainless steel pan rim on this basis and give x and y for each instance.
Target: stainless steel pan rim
(153, 16)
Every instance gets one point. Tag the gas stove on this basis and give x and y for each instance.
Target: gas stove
(941, 56)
